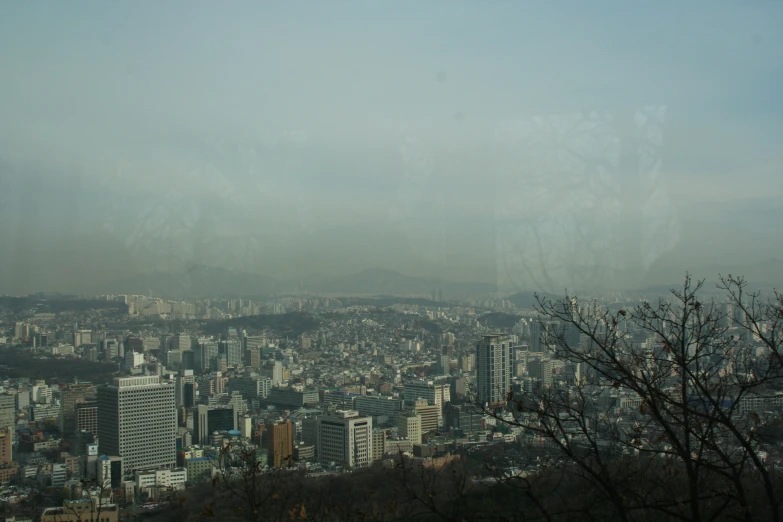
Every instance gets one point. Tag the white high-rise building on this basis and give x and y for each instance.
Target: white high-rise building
(137, 420)
(345, 439)
(493, 362)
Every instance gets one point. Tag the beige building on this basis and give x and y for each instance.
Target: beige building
(410, 427)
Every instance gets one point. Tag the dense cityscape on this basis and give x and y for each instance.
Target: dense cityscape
(163, 392)
(351, 261)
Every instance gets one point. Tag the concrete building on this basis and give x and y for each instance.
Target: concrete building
(378, 406)
(208, 419)
(429, 414)
(345, 439)
(304, 452)
(137, 420)
(232, 350)
(286, 397)
(378, 444)
(493, 361)
(108, 470)
(280, 444)
(273, 370)
(410, 427)
(7, 411)
(463, 417)
(200, 469)
(8, 467)
(181, 342)
(87, 416)
(434, 394)
(167, 478)
(69, 398)
(185, 377)
(206, 355)
(250, 388)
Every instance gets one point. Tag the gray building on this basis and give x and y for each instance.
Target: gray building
(209, 419)
(493, 364)
(345, 439)
(137, 420)
(286, 397)
(7, 411)
(380, 406)
(250, 388)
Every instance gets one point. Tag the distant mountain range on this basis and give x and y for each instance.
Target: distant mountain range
(198, 281)
(388, 282)
(203, 281)
(761, 274)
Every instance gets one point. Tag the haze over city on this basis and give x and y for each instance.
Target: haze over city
(530, 147)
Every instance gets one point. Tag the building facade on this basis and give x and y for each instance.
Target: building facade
(345, 439)
(280, 444)
(137, 420)
(493, 361)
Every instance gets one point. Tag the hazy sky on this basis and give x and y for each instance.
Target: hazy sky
(533, 145)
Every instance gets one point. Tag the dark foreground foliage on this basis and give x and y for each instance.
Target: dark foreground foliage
(414, 490)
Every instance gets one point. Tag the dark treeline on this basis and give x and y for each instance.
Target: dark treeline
(409, 490)
(21, 363)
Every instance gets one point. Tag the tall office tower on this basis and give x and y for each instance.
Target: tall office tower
(20, 330)
(69, 398)
(206, 358)
(7, 411)
(378, 444)
(540, 368)
(188, 360)
(493, 360)
(345, 439)
(86, 417)
(274, 371)
(166, 344)
(444, 364)
(181, 342)
(537, 334)
(81, 337)
(189, 394)
(458, 388)
(173, 359)
(563, 332)
(280, 444)
(6, 447)
(109, 349)
(232, 350)
(310, 431)
(8, 468)
(137, 420)
(184, 377)
(134, 343)
(467, 362)
(410, 427)
(253, 358)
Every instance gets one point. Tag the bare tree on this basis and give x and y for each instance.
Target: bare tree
(661, 406)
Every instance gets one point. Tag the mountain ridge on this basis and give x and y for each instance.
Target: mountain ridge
(206, 281)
